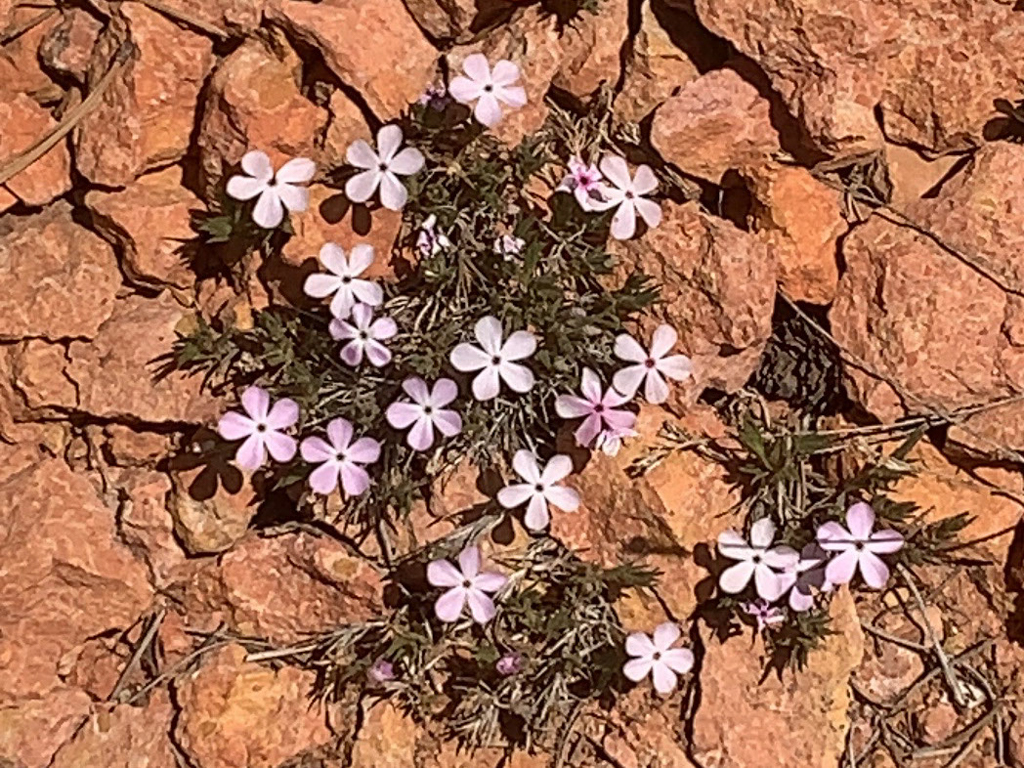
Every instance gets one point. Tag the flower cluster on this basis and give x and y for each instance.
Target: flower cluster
(833, 559)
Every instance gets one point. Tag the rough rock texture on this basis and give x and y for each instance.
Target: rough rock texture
(645, 734)
(147, 115)
(149, 223)
(946, 335)
(717, 289)
(804, 713)
(118, 374)
(64, 576)
(391, 73)
(912, 175)
(715, 123)
(22, 123)
(253, 101)
(67, 277)
(211, 505)
(346, 125)
(20, 70)
(229, 15)
(288, 586)
(802, 219)
(387, 739)
(235, 713)
(33, 729)
(67, 47)
(146, 525)
(932, 69)
(123, 736)
(457, 19)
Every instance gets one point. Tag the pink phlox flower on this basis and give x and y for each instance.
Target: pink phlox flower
(652, 367)
(343, 281)
(496, 359)
(276, 191)
(509, 664)
(540, 489)
(430, 242)
(340, 459)
(426, 412)
(365, 336)
(380, 672)
(655, 656)
(626, 193)
(261, 428)
(859, 547)
(806, 577)
(435, 96)
(488, 88)
(381, 168)
(466, 584)
(585, 182)
(597, 408)
(609, 441)
(758, 559)
(766, 614)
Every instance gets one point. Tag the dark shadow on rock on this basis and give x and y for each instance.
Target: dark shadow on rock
(213, 458)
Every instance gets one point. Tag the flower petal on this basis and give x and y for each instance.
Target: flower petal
(319, 286)
(624, 221)
(519, 346)
(762, 533)
(469, 357)
(295, 199)
(421, 436)
(627, 380)
(256, 402)
(536, 517)
(448, 607)
(665, 635)
(735, 578)
(480, 606)
(488, 332)
(732, 545)
(324, 479)
(627, 348)
(281, 447)
(251, 454)
(842, 567)
(677, 367)
(664, 678)
(678, 659)
(873, 570)
(441, 573)
(377, 354)
(558, 468)
(588, 430)
(469, 562)
(505, 72)
(512, 95)
(769, 584)
(389, 139)
(235, 426)
(258, 165)
(884, 542)
(518, 377)
(487, 110)
(316, 450)
(637, 669)
(354, 479)
(616, 171)
(486, 385)
(644, 182)
(361, 187)
(490, 582)
(639, 644)
(284, 414)
(475, 65)
(445, 390)
(834, 538)
(590, 386)
(566, 499)
(860, 519)
(361, 155)
(365, 450)
(401, 414)
(407, 162)
(268, 211)
(464, 90)
(416, 388)
(448, 423)
(245, 187)
(664, 338)
(525, 465)
(352, 353)
(781, 557)
(649, 211)
(511, 496)
(800, 600)
(572, 407)
(298, 170)
(393, 194)
(656, 390)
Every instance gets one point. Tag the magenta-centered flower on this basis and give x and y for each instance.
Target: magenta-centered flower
(343, 281)
(276, 192)
(488, 88)
(585, 182)
(540, 489)
(382, 168)
(627, 194)
(364, 335)
(496, 359)
(261, 428)
(597, 409)
(764, 613)
(426, 412)
(466, 584)
(650, 367)
(757, 559)
(656, 657)
(340, 459)
(859, 547)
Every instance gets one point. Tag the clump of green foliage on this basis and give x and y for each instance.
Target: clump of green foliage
(562, 285)
(555, 617)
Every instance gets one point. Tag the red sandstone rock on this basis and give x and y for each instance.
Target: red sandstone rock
(67, 47)
(33, 729)
(22, 123)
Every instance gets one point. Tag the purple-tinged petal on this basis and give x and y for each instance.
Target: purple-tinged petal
(444, 392)
(656, 390)
(298, 170)
(490, 582)
(421, 436)
(487, 384)
(377, 354)
(488, 332)
(519, 346)
(624, 221)
(621, 421)
(464, 90)
(258, 165)
(558, 468)
(590, 386)
(768, 583)
(487, 110)
(572, 407)
(284, 414)
(448, 423)
(469, 357)
(268, 211)
(339, 432)
(649, 211)
(732, 545)
(518, 377)
(281, 447)
(256, 402)
(361, 187)
(588, 430)
(735, 578)
(235, 426)
(407, 162)
(832, 537)
(295, 199)
(873, 570)
(616, 171)
(842, 567)
(324, 479)
(511, 496)
(316, 450)
(639, 644)
(319, 285)
(860, 519)
(637, 669)
(665, 635)
(365, 450)
(676, 367)
(800, 600)
(475, 65)
(383, 328)
(566, 499)
(441, 573)
(448, 607)
(664, 678)
(627, 348)
(361, 155)
(469, 562)
(525, 465)
(627, 380)
(644, 182)
(360, 259)
(884, 542)
(781, 557)
(245, 187)
(678, 659)
(505, 72)
(389, 139)
(251, 454)
(480, 606)
(400, 415)
(354, 479)
(416, 388)
(537, 517)
(664, 338)
(393, 194)
(762, 533)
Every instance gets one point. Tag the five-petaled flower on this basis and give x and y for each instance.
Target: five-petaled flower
(340, 459)
(806, 577)
(426, 412)
(758, 559)
(496, 360)
(275, 191)
(344, 281)
(764, 613)
(466, 584)
(585, 182)
(366, 335)
(382, 168)
(599, 410)
(859, 547)
(656, 657)
(261, 428)
(540, 489)
(488, 88)
(627, 194)
(651, 366)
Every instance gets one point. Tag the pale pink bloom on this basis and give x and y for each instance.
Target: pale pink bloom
(488, 88)
(609, 441)
(261, 428)
(466, 584)
(382, 671)
(766, 614)
(656, 657)
(340, 459)
(859, 547)
(652, 366)
(426, 412)
(540, 489)
(496, 359)
(430, 242)
(276, 192)
(343, 281)
(509, 664)
(757, 559)
(585, 182)
(597, 409)
(806, 577)
(382, 168)
(366, 335)
(627, 194)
